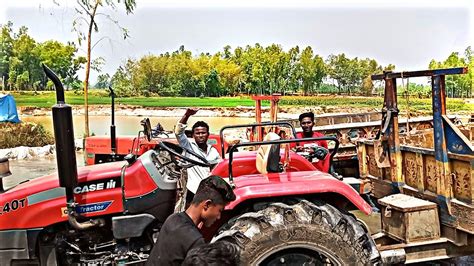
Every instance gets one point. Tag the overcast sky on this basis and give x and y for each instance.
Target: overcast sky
(407, 33)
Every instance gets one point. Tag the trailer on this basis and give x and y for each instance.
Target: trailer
(424, 183)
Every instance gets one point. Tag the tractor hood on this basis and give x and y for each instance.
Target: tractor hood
(41, 201)
(50, 183)
(293, 183)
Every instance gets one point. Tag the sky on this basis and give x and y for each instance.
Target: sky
(406, 33)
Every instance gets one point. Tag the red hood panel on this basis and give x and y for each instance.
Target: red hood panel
(293, 183)
(41, 202)
(84, 174)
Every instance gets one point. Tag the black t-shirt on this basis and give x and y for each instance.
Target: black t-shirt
(177, 236)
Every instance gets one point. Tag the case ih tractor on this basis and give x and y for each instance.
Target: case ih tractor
(288, 213)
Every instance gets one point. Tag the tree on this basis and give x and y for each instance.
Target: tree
(312, 70)
(88, 12)
(253, 69)
(24, 67)
(62, 59)
(122, 79)
(457, 85)
(339, 69)
(6, 52)
(102, 81)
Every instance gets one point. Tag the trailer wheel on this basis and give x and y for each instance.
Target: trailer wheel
(307, 233)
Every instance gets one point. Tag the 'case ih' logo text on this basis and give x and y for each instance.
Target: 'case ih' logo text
(98, 185)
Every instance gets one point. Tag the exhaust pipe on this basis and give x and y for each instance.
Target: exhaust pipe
(113, 140)
(65, 150)
(64, 136)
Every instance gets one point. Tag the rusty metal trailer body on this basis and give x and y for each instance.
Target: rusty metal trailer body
(442, 174)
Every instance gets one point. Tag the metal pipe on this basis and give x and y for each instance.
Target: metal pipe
(113, 140)
(84, 225)
(278, 123)
(422, 73)
(63, 135)
(66, 152)
(57, 83)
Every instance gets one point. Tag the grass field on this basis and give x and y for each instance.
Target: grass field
(47, 99)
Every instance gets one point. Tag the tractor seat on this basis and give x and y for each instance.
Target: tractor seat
(268, 156)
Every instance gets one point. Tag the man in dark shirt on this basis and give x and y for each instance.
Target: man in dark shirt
(180, 232)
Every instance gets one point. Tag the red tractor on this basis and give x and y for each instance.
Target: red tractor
(287, 212)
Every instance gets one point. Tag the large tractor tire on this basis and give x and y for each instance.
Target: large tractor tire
(306, 233)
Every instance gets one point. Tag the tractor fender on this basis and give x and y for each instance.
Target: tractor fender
(291, 184)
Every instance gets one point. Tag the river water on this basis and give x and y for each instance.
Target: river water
(23, 170)
(130, 125)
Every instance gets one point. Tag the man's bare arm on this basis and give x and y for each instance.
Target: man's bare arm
(189, 112)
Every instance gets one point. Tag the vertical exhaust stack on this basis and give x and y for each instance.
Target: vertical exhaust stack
(64, 136)
(113, 140)
(66, 152)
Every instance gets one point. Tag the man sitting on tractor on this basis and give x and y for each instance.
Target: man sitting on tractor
(198, 144)
(307, 123)
(180, 232)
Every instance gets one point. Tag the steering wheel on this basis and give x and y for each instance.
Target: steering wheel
(318, 152)
(175, 151)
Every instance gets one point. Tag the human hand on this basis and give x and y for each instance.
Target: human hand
(191, 111)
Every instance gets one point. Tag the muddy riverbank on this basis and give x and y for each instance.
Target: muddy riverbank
(243, 111)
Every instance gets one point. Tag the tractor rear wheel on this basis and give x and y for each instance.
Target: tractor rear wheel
(306, 233)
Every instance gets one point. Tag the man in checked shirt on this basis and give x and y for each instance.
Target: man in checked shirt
(198, 144)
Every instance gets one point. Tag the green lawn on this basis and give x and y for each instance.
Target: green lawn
(47, 99)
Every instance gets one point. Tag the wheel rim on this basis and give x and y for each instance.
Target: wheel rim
(300, 254)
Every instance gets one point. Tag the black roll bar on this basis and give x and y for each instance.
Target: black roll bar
(283, 141)
(263, 124)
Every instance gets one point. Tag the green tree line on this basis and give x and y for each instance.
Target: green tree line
(21, 57)
(232, 71)
(265, 70)
(458, 85)
(250, 70)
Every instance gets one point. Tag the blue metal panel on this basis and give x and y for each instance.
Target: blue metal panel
(438, 110)
(450, 71)
(455, 143)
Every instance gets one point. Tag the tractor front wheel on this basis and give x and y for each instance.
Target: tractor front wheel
(306, 233)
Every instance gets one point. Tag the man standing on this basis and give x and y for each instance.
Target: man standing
(180, 232)
(198, 144)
